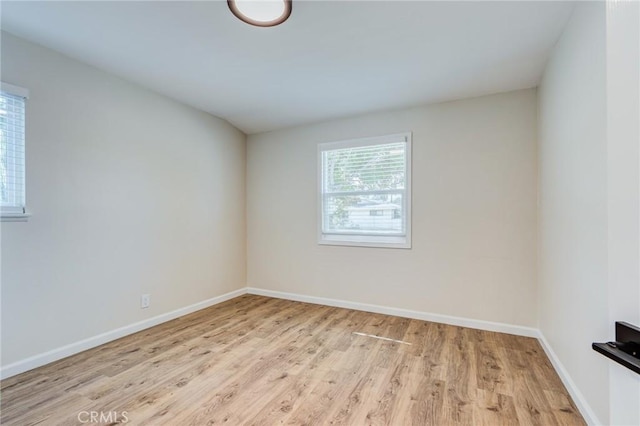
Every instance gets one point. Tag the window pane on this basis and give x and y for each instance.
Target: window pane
(364, 214)
(367, 168)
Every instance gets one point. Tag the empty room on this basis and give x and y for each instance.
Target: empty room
(266, 212)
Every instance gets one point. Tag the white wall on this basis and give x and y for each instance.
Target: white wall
(474, 213)
(573, 203)
(623, 188)
(130, 193)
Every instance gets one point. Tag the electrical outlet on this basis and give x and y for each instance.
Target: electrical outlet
(145, 301)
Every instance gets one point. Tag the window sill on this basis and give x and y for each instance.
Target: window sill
(14, 217)
(365, 241)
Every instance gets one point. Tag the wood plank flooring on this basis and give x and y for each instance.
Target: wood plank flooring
(261, 361)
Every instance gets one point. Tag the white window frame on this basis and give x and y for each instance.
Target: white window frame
(380, 241)
(16, 213)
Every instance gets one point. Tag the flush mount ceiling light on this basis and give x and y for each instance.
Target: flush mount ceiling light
(261, 13)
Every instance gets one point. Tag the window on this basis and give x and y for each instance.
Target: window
(365, 192)
(12, 152)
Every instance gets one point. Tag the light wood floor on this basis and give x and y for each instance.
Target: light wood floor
(262, 361)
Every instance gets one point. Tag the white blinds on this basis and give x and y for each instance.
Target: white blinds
(12, 152)
(364, 189)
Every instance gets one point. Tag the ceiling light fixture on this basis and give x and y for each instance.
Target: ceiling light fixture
(261, 13)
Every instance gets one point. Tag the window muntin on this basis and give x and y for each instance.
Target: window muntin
(365, 192)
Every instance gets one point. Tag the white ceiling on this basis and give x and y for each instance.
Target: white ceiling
(330, 59)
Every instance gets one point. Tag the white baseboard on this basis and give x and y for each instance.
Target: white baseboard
(406, 313)
(581, 403)
(77, 347)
